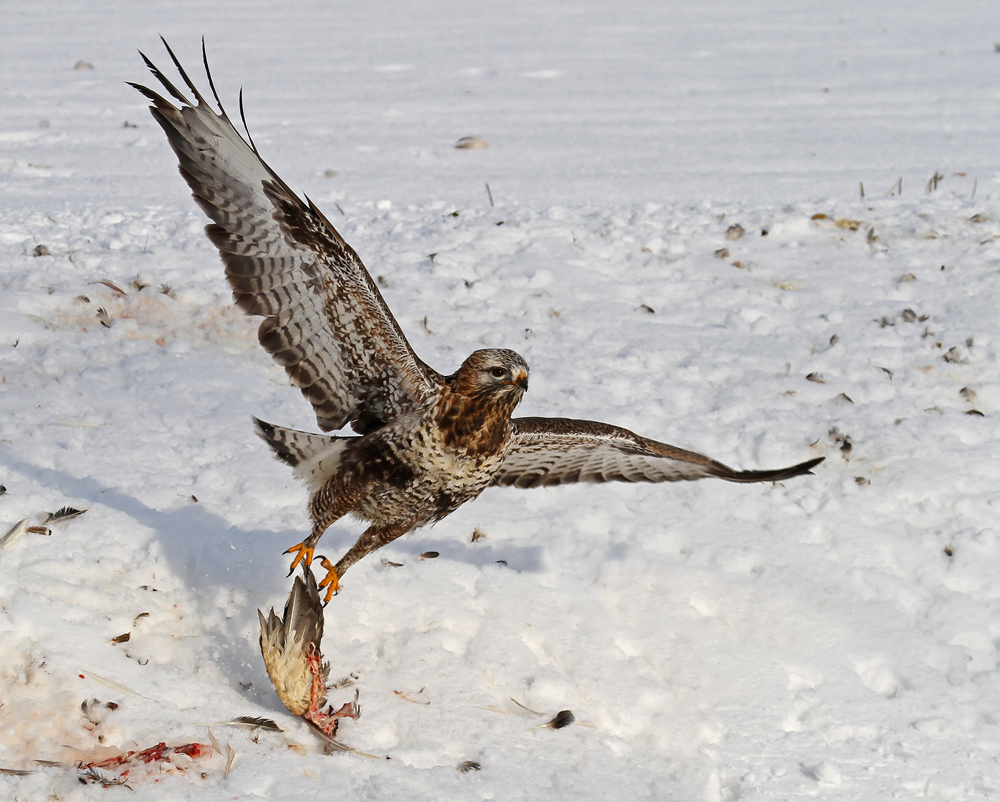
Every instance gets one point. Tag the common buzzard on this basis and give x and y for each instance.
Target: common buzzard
(425, 443)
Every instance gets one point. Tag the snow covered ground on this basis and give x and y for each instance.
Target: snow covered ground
(835, 637)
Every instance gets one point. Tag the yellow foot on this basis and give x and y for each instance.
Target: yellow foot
(302, 553)
(331, 581)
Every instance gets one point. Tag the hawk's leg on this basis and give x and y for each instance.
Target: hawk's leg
(331, 502)
(374, 537)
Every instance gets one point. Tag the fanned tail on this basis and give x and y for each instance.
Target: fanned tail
(315, 457)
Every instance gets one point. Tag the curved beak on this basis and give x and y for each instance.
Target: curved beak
(520, 380)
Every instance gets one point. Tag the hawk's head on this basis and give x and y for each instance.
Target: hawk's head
(492, 372)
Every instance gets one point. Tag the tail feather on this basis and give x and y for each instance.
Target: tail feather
(315, 457)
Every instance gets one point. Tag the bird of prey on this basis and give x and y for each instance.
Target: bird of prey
(290, 646)
(425, 443)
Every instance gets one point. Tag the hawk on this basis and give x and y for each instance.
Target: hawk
(425, 443)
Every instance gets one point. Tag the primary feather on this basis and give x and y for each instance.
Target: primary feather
(325, 321)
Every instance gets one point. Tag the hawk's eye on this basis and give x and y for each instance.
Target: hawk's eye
(498, 373)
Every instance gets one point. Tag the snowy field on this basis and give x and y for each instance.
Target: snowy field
(834, 638)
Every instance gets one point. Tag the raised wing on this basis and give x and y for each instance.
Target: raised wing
(558, 451)
(325, 320)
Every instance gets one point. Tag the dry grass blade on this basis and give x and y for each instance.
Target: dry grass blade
(525, 707)
(230, 757)
(330, 744)
(110, 683)
(405, 696)
(111, 286)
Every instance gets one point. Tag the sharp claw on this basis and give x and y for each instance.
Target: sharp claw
(303, 553)
(331, 581)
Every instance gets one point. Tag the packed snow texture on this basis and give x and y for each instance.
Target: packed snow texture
(677, 243)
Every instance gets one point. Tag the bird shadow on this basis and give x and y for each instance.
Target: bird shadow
(223, 566)
(231, 572)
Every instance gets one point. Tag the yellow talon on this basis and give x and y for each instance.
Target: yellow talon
(302, 553)
(331, 581)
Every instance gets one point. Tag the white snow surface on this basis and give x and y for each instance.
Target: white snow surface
(833, 637)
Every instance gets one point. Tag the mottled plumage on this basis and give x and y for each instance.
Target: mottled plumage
(426, 443)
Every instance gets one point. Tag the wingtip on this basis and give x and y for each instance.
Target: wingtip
(802, 469)
(810, 464)
(264, 428)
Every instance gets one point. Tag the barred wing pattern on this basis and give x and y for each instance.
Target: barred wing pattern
(325, 320)
(556, 451)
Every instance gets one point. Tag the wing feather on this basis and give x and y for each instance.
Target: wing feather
(556, 451)
(325, 320)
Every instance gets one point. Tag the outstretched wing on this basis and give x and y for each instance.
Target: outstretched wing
(558, 451)
(325, 320)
